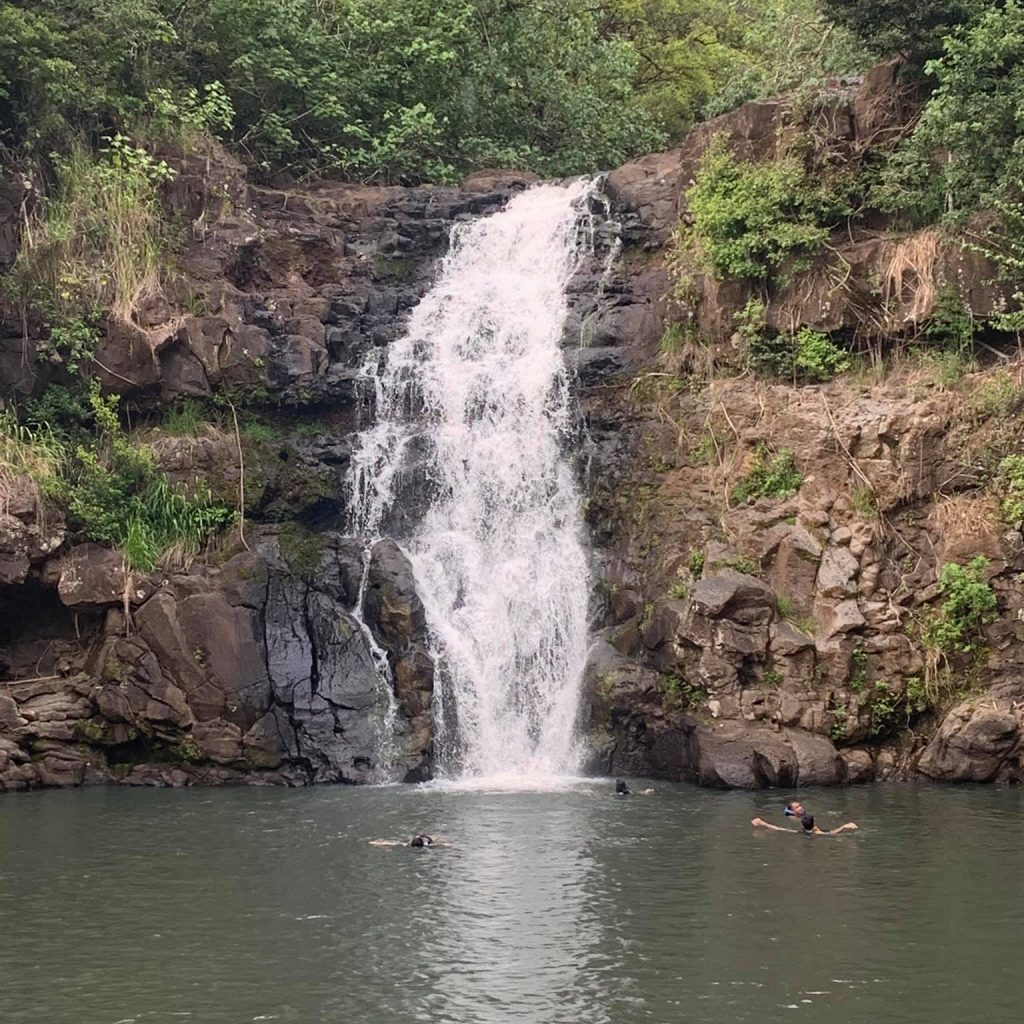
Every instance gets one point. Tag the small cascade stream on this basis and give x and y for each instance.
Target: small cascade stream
(474, 406)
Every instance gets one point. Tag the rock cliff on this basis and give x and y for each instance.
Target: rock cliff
(738, 641)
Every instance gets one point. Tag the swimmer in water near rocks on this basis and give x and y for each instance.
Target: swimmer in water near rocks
(420, 841)
(808, 828)
(621, 789)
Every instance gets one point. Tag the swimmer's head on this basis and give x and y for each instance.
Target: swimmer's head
(421, 841)
(808, 822)
(621, 787)
(794, 809)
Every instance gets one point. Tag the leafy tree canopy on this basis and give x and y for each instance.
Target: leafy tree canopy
(916, 29)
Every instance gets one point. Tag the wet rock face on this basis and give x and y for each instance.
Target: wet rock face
(259, 670)
(251, 672)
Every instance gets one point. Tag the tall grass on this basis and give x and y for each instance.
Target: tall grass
(36, 454)
(99, 241)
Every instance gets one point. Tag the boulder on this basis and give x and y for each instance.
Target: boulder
(92, 576)
(973, 741)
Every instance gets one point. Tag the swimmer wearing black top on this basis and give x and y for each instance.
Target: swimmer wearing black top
(621, 789)
(420, 841)
(808, 828)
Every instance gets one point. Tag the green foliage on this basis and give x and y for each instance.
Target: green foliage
(750, 219)
(187, 751)
(859, 669)
(63, 410)
(1009, 485)
(784, 605)
(744, 565)
(817, 358)
(973, 117)
(806, 624)
(916, 29)
(884, 707)
(778, 45)
(864, 502)
(674, 339)
(769, 476)
(186, 418)
(772, 677)
(951, 327)
(1002, 242)
(750, 321)
(697, 564)
(100, 242)
(116, 495)
(968, 604)
(704, 450)
(808, 356)
(917, 699)
(838, 713)
(680, 695)
(260, 432)
(34, 452)
(360, 88)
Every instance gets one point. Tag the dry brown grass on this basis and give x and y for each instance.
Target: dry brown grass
(970, 519)
(907, 275)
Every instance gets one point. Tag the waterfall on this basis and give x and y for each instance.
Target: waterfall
(474, 411)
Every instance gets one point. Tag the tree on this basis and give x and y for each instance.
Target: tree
(973, 124)
(916, 29)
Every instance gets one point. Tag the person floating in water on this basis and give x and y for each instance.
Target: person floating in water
(420, 841)
(808, 827)
(621, 789)
(794, 809)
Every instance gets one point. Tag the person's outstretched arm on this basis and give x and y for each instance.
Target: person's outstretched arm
(761, 823)
(850, 826)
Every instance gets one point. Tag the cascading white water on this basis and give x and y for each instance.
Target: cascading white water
(478, 395)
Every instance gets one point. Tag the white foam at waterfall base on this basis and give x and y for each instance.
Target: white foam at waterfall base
(478, 391)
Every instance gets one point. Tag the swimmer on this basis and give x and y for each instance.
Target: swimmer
(794, 809)
(621, 789)
(807, 827)
(420, 841)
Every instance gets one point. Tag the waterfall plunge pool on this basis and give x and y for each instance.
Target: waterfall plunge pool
(558, 907)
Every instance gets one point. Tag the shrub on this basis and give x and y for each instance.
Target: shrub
(748, 219)
(680, 694)
(769, 477)
(884, 708)
(116, 495)
(973, 116)
(807, 355)
(968, 604)
(1010, 485)
(817, 358)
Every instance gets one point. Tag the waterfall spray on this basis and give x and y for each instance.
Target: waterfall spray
(475, 400)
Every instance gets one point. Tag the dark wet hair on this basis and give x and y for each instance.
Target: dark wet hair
(808, 822)
(421, 841)
(621, 787)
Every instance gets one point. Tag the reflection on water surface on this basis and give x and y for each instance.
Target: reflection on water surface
(230, 906)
